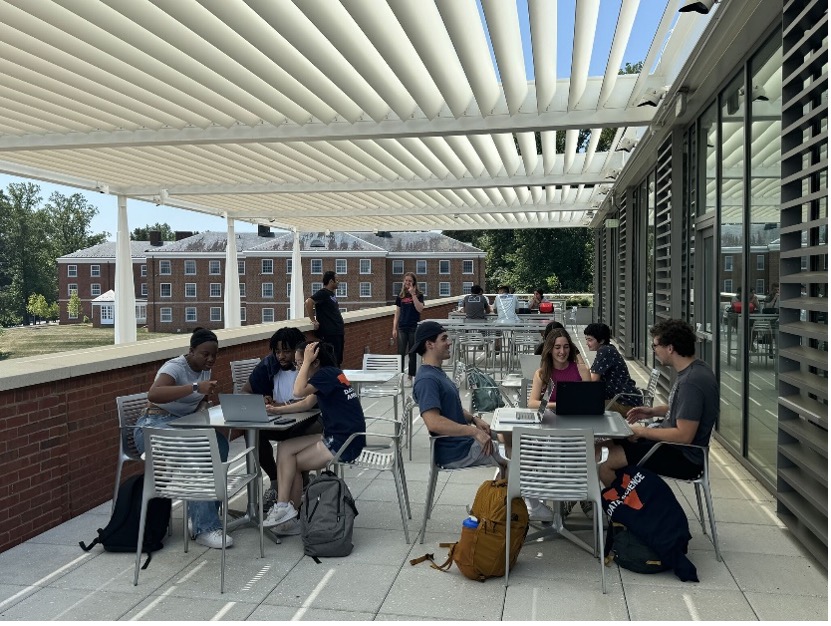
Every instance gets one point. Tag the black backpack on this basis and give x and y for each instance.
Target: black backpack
(630, 552)
(326, 517)
(121, 533)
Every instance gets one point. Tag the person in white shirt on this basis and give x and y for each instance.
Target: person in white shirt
(506, 306)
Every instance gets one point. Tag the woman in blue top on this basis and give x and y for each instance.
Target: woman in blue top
(408, 307)
(342, 416)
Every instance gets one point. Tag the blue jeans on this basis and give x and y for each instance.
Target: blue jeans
(203, 515)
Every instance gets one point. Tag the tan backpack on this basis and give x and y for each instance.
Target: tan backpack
(480, 551)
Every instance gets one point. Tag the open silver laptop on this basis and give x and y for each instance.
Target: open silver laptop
(244, 408)
(512, 415)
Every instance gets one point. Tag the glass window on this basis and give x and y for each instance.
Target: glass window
(242, 290)
(95, 271)
(366, 290)
(467, 267)
(444, 267)
(216, 290)
(288, 266)
(343, 309)
(398, 266)
(366, 266)
(421, 267)
(95, 289)
(164, 268)
(190, 290)
(340, 266)
(288, 290)
(268, 315)
(728, 262)
(243, 314)
(317, 266)
(267, 266)
(165, 290)
(214, 267)
(216, 313)
(316, 287)
(288, 313)
(268, 290)
(166, 314)
(71, 315)
(728, 285)
(760, 286)
(107, 313)
(424, 288)
(396, 289)
(72, 271)
(241, 267)
(143, 270)
(466, 288)
(341, 291)
(707, 159)
(444, 289)
(141, 312)
(760, 261)
(143, 289)
(190, 313)
(190, 268)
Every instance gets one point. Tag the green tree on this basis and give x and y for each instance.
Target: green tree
(68, 220)
(54, 311)
(38, 307)
(142, 233)
(73, 307)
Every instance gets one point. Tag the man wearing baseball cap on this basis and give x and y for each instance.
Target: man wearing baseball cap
(468, 440)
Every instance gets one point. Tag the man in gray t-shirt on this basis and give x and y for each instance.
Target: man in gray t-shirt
(691, 411)
(475, 304)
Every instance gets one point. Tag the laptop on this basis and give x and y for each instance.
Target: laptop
(242, 407)
(581, 398)
(511, 415)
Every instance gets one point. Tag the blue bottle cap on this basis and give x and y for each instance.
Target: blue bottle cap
(471, 522)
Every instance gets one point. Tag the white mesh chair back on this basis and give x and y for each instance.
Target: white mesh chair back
(240, 371)
(529, 364)
(129, 409)
(525, 392)
(382, 362)
(184, 464)
(651, 386)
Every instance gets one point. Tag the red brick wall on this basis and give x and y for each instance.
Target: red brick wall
(59, 440)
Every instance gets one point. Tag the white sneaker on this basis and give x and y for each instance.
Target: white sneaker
(213, 539)
(291, 527)
(279, 513)
(537, 511)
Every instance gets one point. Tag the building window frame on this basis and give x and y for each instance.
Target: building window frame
(365, 266)
(165, 290)
(166, 315)
(95, 271)
(190, 290)
(190, 267)
(216, 290)
(165, 267)
(72, 271)
(214, 267)
(190, 314)
(216, 314)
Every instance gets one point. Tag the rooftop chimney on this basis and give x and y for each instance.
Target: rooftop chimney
(155, 237)
(182, 234)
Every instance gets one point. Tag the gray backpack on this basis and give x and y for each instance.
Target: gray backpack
(327, 517)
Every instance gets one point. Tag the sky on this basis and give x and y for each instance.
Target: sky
(144, 213)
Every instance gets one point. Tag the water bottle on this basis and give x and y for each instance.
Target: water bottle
(470, 522)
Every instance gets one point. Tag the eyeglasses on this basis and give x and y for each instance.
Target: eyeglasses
(655, 345)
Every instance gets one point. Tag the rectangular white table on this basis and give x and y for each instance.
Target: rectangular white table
(358, 377)
(214, 418)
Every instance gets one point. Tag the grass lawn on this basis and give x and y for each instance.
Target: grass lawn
(20, 342)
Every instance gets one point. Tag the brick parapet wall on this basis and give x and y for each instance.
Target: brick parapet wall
(59, 439)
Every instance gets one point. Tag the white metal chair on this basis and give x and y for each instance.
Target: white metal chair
(646, 395)
(240, 371)
(559, 465)
(185, 464)
(525, 392)
(388, 459)
(129, 410)
(702, 483)
(394, 388)
(572, 318)
(529, 364)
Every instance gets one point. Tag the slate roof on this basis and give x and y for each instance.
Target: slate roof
(418, 242)
(211, 241)
(333, 242)
(107, 250)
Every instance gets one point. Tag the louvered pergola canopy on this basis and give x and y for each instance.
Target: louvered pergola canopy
(341, 115)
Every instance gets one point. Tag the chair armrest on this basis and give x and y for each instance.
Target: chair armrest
(239, 456)
(639, 394)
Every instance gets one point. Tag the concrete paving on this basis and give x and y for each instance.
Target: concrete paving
(765, 574)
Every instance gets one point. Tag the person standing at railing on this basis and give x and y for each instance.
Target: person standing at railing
(322, 308)
(408, 307)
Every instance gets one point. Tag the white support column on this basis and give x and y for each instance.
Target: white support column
(297, 299)
(125, 288)
(232, 299)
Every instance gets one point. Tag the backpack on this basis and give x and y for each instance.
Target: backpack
(121, 533)
(630, 552)
(480, 552)
(485, 394)
(326, 517)
(546, 307)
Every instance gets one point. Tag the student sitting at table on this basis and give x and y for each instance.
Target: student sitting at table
(342, 415)
(181, 388)
(475, 304)
(506, 306)
(554, 325)
(273, 378)
(536, 299)
(610, 367)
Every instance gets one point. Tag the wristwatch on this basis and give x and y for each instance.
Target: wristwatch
(195, 387)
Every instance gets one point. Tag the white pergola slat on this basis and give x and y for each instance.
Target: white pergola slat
(350, 114)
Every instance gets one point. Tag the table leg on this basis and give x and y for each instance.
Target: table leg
(556, 529)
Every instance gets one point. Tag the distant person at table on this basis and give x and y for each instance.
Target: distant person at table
(753, 301)
(772, 301)
(506, 306)
(558, 364)
(182, 387)
(340, 407)
(322, 308)
(691, 413)
(554, 325)
(610, 367)
(475, 304)
(468, 441)
(537, 297)
(408, 307)
(273, 378)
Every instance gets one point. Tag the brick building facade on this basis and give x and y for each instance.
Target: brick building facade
(180, 285)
